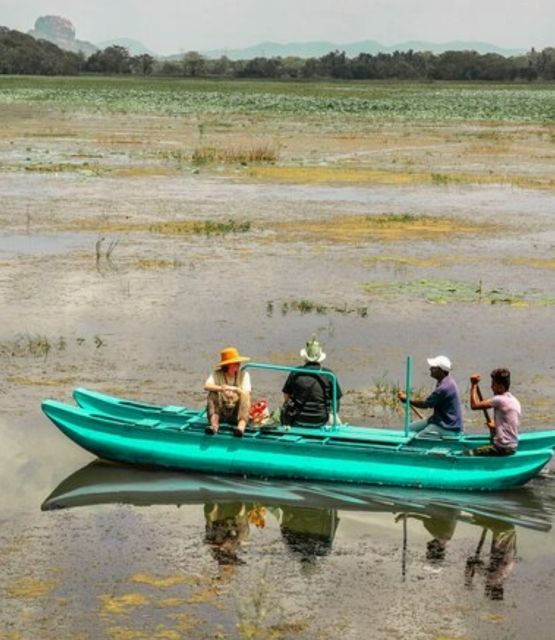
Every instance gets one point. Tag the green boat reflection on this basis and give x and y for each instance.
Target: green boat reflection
(308, 514)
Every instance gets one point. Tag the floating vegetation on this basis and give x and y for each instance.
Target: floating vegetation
(257, 153)
(382, 227)
(451, 291)
(206, 227)
(308, 306)
(391, 101)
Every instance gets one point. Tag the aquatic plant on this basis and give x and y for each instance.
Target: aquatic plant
(304, 306)
(438, 291)
(373, 100)
(205, 227)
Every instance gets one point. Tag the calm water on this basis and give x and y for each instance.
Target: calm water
(94, 550)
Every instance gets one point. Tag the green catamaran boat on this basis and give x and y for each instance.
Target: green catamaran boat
(173, 437)
(171, 416)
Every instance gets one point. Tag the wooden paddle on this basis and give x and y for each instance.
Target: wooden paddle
(486, 413)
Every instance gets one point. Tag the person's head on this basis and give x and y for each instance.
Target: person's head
(312, 351)
(500, 381)
(230, 360)
(435, 549)
(440, 366)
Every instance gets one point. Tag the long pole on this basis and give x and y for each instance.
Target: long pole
(408, 385)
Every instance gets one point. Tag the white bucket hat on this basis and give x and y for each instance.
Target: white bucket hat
(312, 352)
(441, 362)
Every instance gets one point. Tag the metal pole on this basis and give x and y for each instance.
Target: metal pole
(408, 385)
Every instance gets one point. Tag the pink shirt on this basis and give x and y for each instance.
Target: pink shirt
(506, 413)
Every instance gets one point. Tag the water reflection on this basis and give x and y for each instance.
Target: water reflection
(307, 515)
(502, 558)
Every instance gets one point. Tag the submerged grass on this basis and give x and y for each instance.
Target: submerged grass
(382, 227)
(452, 291)
(359, 175)
(104, 225)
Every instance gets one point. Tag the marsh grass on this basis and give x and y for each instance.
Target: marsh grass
(381, 399)
(68, 167)
(451, 291)
(304, 306)
(237, 155)
(26, 345)
(261, 617)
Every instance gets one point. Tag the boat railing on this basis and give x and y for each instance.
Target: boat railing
(315, 372)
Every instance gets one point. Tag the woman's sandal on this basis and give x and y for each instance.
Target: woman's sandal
(238, 432)
(210, 430)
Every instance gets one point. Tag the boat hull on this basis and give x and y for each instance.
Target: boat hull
(330, 457)
(105, 405)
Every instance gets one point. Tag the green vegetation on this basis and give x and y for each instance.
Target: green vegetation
(452, 291)
(308, 306)
(372, 100)
(206, 227)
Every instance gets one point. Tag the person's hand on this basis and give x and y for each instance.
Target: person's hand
(402, 396)
(491, 424)
(475, 378)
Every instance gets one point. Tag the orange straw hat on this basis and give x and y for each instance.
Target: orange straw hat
(230, 355)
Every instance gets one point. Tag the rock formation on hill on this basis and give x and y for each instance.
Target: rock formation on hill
(61, 32)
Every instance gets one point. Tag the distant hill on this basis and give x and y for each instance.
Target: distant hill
(318, 49)
(134, 47)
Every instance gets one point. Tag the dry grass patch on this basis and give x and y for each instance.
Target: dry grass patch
(536, 263)
(415, 261)
(359, 175)
(380, 227)
(256, 153)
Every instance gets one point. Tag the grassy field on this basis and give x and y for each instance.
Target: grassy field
(371, 100)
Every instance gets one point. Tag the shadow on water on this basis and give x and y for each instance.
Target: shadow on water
(307, 514)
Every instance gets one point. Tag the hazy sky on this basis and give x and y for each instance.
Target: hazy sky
(170, 26)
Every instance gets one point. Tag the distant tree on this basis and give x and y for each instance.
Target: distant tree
(142, 64)
(193, 64)
(113, 59)
(221, 67)
(22, 54)
(168, 68)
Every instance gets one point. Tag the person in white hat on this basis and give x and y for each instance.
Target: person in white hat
(445, 401)
(308, 397)
(229, 393)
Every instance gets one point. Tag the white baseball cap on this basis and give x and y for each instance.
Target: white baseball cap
(442, 362)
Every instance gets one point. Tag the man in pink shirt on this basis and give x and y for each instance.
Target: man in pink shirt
(506, 414)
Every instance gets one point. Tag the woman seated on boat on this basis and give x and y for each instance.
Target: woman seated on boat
(308, 397)
(506, 414)
(229, 393)
(446, 419)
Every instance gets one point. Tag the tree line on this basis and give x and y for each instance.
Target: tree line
(22, 54)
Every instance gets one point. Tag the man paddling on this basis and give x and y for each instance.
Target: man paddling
(446, 419)
(506, 414)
